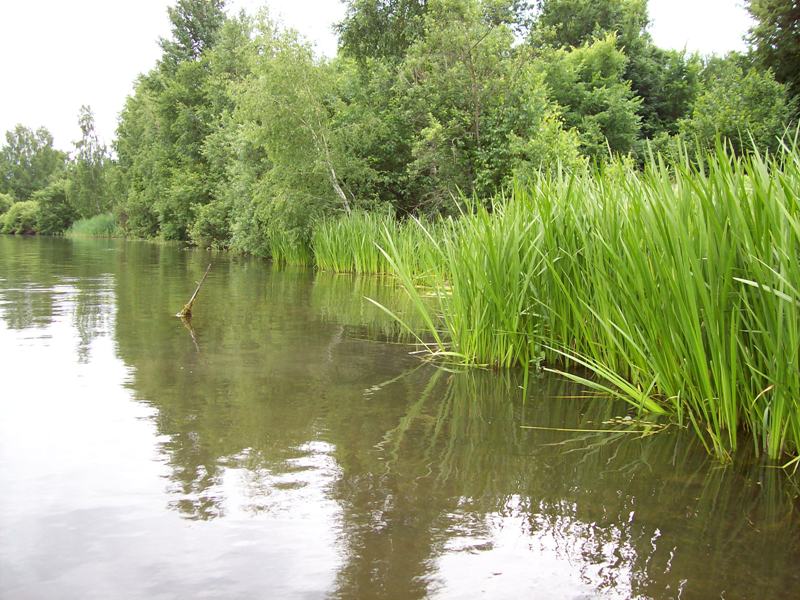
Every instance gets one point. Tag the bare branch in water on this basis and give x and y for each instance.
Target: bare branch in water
(186, 312)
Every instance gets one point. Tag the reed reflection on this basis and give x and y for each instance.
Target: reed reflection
(430, 503)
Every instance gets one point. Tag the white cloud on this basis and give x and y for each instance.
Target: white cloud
(704, 26)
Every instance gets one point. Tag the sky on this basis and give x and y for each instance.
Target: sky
(56, 55)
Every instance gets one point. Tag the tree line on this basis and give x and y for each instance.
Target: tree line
(242, 134)
(43, 189)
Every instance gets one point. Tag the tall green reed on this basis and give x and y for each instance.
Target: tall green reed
(347, 244)
(287, 248)
(678, 286)
(102, 226)
(350, 244)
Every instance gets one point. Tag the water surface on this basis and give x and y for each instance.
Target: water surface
(286, 445)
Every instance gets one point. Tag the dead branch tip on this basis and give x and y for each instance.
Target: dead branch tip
(186, 311)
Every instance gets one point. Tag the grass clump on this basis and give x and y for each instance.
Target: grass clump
(479, 275)
(348, 244)
(286, 247)
(352, 244)
(678, 286)
(99, 226)
(21, 218)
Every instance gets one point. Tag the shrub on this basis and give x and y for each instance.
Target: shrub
(748, 109)
(5, 203)
(55, 213)
(21, 218)
(212, 226)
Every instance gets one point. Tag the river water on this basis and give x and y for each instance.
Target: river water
(287, 445)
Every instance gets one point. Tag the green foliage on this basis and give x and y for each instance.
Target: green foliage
(300, 145)
(175, 207)
(380, 29)
(668, 83)
(195, 25)
(56, 214)
(291, 102)
(749, 109)
(176, 108)
(242, 136)
(28, 161)
(475, 108)
(454, 77)
(775, 39)
(142, 162)
(21, 218)
(588, 81)
(5, 203)
(551, 148)
(89, 190)
(212, 226)
(575, 23)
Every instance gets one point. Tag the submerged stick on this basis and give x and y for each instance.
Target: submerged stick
(186, 311)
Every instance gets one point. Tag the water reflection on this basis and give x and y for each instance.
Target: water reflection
(349, 301)
(283, 430)
(459, 499)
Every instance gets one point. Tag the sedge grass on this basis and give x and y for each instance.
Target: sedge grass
(350, 244)
(347, 244)
(288, 249)
(99, 226)
(679, 286)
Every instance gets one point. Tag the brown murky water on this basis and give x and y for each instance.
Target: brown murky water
(290, 447)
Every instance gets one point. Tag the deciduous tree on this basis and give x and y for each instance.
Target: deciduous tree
(88, 189)
(775, 39)
(747, 108)
(28, 161)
